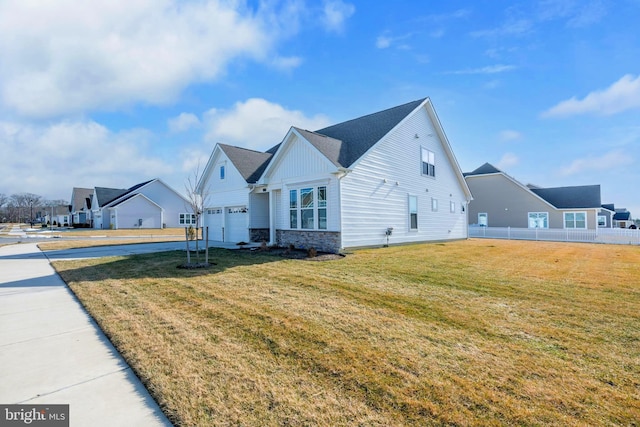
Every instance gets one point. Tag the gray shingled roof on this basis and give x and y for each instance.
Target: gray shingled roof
(343, 143)
(80, 197)
(328, 146)
(576, 197)
(106, 195)
(622, 216)
(485, 169)
(359, 135)
(249, 163)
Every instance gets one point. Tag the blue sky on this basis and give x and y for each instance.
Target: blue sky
(112, 93)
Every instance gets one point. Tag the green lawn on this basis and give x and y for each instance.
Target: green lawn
(477, 332)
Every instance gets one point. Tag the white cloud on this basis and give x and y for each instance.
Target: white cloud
(507, 160)
(50, 160)
(621, 96)
(257, 124)
(611, 160)
(183, 122)
(490, 69)
(68, 56)
(577, 13)
(508, 135)
(335, 14)
(385, 41)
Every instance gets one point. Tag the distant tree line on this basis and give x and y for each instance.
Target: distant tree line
(26, 207)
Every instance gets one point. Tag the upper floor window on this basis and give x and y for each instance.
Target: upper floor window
(222, 172)
(575, 220)
(428, 163)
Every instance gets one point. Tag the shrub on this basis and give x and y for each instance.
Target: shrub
(312, 252)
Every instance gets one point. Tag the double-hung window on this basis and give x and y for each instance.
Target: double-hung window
(428, 162)
(413, 212)
(575, 220)
(308, 208)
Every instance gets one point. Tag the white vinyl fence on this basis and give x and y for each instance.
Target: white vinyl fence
(621, 236)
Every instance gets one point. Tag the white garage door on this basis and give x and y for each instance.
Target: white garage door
(236, 229)
(213, 220)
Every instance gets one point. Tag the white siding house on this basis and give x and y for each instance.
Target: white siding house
(343, 186)
(151, 204)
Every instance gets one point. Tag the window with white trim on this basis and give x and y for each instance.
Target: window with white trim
(602, 221)
(434, 204)
(222, 172)
(293, 209)
(187, 219)
(483, 219)
(576, 220)
(413, 212)
(428, 162)
(538, 219)
(308, 208)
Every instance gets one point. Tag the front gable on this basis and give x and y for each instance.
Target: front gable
(297, 159)
(220, 174)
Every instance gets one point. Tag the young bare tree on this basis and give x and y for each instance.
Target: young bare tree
(198, 197)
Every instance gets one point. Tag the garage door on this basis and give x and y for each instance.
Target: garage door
(213, 220)
(236, 229)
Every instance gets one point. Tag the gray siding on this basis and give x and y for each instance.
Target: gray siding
(508, 204)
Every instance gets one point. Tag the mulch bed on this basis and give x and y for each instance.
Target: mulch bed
(295, 254)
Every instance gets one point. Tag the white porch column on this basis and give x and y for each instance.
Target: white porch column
(272, 219)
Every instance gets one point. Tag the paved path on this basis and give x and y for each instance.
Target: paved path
(51, 352)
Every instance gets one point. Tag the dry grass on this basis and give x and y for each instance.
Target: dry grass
(83, 238)
(478, 332)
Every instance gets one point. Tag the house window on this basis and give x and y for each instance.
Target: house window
(575, 220)
(306, 208)
(434, 205)
(602, 221)
(309, 211)
(322, 208)
(428, 163)
(483, 219)
(413, 212)
(538, 220)
(452, 207)
(187, 219)
(222, 172)
(293, 208)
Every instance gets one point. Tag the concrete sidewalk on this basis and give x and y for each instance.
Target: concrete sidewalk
(51, 352)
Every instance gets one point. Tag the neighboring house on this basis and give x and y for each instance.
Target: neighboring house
(605, 216)
(58, 215)
(343, 186)
(622, 218)
(81, 206)
(151, 204)
(501, 201)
